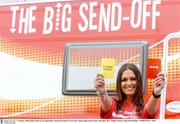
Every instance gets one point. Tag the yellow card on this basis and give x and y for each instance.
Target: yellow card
(107, 67)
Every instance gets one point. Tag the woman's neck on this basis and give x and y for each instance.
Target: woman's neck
(129, 99)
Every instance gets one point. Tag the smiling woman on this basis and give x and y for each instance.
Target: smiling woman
(128, 101)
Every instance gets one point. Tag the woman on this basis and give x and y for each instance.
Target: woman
(128, 100)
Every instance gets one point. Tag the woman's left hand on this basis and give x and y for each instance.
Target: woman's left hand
(159, 84)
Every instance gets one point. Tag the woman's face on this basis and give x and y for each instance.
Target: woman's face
(128, 82)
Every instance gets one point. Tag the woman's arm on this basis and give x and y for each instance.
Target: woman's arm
(101, 89)
(158, 86)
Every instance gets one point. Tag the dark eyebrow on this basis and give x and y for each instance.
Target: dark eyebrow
(123, 79)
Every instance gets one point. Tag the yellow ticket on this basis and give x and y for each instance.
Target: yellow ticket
(107, 67)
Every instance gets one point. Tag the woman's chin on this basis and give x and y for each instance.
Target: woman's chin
(129, 93)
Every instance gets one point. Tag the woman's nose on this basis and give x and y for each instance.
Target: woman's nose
(129, 82)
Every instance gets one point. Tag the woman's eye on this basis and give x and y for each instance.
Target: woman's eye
(126, 79)
(123, 80)
(133, 79)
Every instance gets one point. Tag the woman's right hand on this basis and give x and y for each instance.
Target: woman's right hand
(101, 89)
(100, 84)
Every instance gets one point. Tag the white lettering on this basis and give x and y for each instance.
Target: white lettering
(104, 17)
(133, 11)
(109, 17)
(145, 13)
(48, 24)
(116, 5)
(155, 13)
(31, 19)
(66, 9)
(92, 15)
(23, 20)
(14, 9)
(83, 16)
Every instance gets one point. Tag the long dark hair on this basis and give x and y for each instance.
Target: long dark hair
(138, 96)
